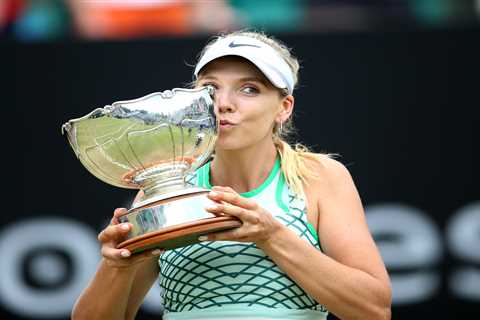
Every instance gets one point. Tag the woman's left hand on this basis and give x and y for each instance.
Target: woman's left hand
(258, 225)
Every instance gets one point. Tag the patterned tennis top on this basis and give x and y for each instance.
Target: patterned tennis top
(236, 280)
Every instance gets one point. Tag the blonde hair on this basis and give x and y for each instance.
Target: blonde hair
(294, 160)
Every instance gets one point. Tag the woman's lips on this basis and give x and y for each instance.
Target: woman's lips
(226, 124)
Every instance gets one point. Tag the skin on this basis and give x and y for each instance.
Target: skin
(348, 276)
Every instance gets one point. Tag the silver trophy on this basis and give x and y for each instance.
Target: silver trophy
(154, 144)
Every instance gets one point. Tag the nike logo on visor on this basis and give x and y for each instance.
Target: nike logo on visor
(235, 45)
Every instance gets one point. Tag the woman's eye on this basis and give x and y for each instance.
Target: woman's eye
(209, 84)
(250, 90)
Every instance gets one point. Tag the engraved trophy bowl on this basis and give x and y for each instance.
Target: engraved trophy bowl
(154, 144)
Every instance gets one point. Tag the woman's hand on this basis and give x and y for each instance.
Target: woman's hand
(258, 225)
(114, 234)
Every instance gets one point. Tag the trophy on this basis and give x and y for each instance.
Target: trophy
(154, 143)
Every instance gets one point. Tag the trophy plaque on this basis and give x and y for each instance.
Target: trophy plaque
(154, 144)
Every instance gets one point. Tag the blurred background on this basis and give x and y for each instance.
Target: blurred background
(392, 86)
(54, 20)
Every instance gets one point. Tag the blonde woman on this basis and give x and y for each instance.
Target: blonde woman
(303, 249)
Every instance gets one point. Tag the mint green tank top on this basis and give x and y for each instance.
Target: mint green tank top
(213, 279)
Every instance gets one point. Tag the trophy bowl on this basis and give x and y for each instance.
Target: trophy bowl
(154, 144)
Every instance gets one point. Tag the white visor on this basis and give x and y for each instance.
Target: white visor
(264, 57)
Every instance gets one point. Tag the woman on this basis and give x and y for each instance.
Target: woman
(304, 245)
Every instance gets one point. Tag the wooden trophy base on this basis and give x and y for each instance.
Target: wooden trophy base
(179, 235)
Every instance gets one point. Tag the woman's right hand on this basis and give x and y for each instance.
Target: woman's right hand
(114, 234)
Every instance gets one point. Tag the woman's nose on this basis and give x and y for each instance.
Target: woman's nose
(223, 101)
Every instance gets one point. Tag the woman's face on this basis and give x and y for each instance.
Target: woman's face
(246, 103)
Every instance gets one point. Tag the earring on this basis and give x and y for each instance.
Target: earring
(280, 129)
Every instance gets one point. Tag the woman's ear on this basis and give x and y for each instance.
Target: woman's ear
(286, 108)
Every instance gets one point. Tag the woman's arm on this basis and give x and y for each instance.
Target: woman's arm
(348, 277)
(348, 291)
(121, 282)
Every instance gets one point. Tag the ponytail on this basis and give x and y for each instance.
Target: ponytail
(294, 163)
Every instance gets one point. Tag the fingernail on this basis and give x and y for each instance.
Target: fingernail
(202, 238)
(213, 193)
(125, 226)
(125, 254)
(211, 207)
(157, 252)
